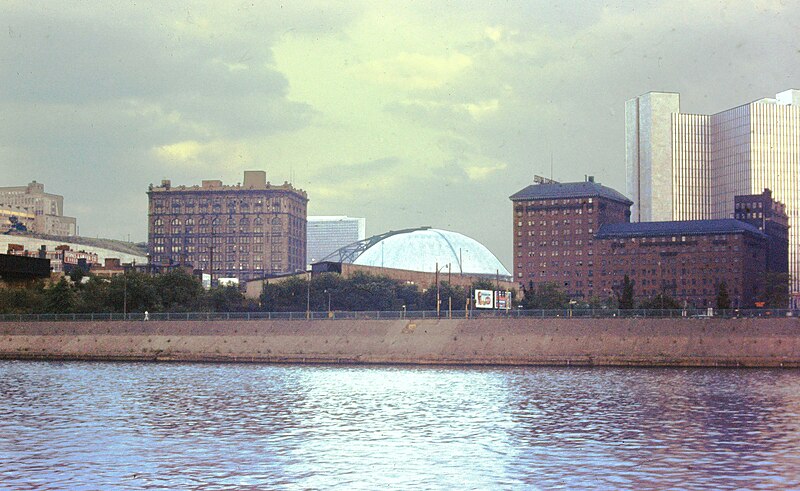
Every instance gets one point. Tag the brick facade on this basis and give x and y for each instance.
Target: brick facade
(578, 236)
(243, 231)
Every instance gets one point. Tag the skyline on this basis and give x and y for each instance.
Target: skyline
(407, 115)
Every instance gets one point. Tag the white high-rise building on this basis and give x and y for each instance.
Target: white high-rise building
(46, 209)
(683, 166)
(327, 234)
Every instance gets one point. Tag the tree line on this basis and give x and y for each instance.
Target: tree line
(179, 291)
(548, 295)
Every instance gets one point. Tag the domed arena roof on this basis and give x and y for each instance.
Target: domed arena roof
(421, 249)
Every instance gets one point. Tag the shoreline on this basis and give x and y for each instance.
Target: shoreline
(773, 343)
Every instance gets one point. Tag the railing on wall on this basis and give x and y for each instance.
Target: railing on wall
(399, 315)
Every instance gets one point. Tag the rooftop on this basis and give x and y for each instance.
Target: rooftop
(687, 227)
(588, 189)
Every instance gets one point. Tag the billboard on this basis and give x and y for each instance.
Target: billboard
(489, 299)
(228, 281)
(502, 300)
(484, 299)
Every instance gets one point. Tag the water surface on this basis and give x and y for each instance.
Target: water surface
(206, 426)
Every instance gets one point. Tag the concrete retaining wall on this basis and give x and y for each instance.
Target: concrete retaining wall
(646, 342)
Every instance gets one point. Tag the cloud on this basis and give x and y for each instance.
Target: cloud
(414, 70)
(407, 113)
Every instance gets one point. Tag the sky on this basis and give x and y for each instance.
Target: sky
(412, 113)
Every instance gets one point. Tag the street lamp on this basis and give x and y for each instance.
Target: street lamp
(329, 301)
(404, 312)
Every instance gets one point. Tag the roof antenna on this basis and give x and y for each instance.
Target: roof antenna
(551, 165)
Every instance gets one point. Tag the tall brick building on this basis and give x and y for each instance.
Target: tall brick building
(769, 216)
(244, 231)
(578, 236)
(554, 228)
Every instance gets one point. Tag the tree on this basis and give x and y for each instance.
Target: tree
(134, 292)
(76, 275)
(723, 297)
(776, 290)
(626, 295)
(225, 299)
(546, 296)
(60, 298)
(179, 291)
(26, 299)
(660, 301)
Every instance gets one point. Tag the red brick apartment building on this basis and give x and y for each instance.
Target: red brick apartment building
(579, 236)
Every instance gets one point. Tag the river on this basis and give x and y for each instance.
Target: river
(238, 426)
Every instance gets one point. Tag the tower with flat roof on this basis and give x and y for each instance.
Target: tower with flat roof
(683, 166)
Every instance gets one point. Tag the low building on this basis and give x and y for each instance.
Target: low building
(685, 260)
(16, 269)
(47, 209)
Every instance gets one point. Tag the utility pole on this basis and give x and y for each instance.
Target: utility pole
(308, 297)
(449, 294)
(437, 289)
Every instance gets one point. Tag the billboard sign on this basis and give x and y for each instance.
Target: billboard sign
(484, 299)
(502, 300)
(228, 281)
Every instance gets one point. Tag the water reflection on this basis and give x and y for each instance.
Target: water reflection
(158, 426)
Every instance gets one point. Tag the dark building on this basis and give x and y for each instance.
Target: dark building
(686, 260)
(14, 268)
(250, 230)
(578, 236)
(554, 228)
(769, 216)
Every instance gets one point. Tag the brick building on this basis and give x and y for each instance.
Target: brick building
(244, 231)
(769, 216)
(554, 228)
(578, 236)
(686, 260)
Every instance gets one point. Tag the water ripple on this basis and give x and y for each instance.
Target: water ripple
(204, 426)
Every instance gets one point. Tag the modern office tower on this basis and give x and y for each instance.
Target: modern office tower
(693, 167)
(245, 231)
(326, 234)
(46, 209)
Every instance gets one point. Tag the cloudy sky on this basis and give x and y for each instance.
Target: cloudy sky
(406, 113)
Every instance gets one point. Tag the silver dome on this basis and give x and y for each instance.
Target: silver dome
(422, 249)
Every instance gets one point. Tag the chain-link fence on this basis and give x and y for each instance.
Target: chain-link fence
(400, 314)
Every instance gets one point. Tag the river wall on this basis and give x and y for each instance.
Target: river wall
(500, 341)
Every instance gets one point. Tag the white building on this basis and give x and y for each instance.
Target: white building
(683, 166)
(47, 209)
(326, 234)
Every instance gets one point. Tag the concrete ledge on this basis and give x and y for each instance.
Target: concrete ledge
(565, 342)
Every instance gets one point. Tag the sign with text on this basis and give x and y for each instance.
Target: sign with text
(502, 300)
(484, 299)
